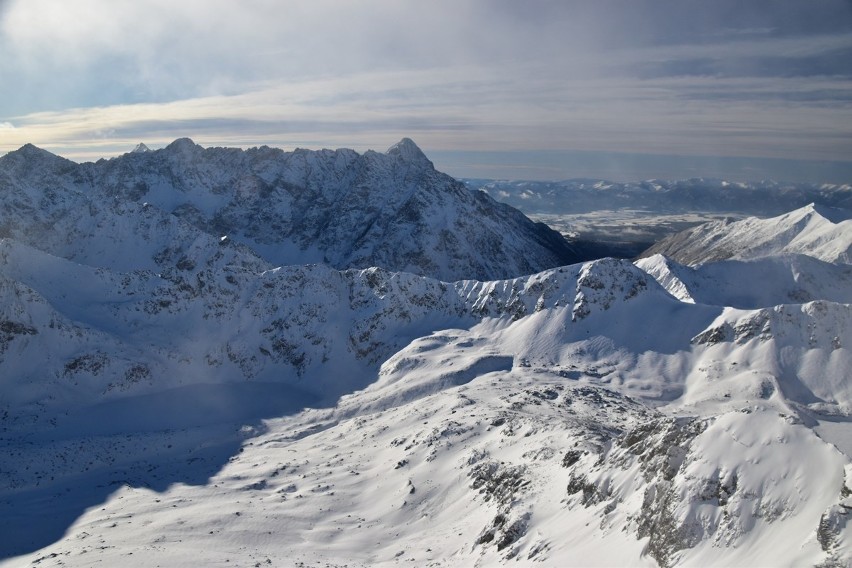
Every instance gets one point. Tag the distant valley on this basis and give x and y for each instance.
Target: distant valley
(603, 218)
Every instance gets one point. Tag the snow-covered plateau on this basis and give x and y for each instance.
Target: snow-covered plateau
(202, 365)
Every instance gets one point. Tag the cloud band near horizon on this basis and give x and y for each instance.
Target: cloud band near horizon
(688, 80)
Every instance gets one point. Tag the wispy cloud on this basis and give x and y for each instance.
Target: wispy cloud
(725, 78)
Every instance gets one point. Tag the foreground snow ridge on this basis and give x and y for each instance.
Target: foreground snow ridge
(169, 397)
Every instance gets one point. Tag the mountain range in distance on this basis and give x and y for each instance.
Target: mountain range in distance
(602, 218)
(391, 210)
(255, 357)
(766, 198)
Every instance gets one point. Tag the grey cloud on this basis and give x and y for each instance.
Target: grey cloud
(616, 166)
(685, 22)
(828, 97)
(698, 67)
(833, 63)
(247, 128)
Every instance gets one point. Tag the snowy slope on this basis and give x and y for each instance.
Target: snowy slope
(502, 416)
(511, 465)
(510, 468)
(47, 204)
(816, 231)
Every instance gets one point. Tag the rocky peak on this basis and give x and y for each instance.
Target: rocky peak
(408, 151)
(31, 151)
(32, 160)
(183, 146)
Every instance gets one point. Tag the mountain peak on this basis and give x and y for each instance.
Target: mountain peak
(408, 151)
(141, 147)
(183, 145)
(33, 150)
(30, 153)
(830, 214)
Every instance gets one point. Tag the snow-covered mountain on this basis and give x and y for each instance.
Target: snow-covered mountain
(392, 210)
(590, 378)
(191, 403)
(816, 231)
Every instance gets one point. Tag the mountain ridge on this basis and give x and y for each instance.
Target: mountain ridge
(339, 207)
(818, 231)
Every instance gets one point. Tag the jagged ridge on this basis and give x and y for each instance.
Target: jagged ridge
(391, 210)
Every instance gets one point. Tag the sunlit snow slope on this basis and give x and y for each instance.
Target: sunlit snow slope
(821, 232)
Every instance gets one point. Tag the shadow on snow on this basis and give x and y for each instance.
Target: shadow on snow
(183, 435)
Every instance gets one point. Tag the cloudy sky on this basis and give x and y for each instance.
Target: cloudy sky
(539, 89)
